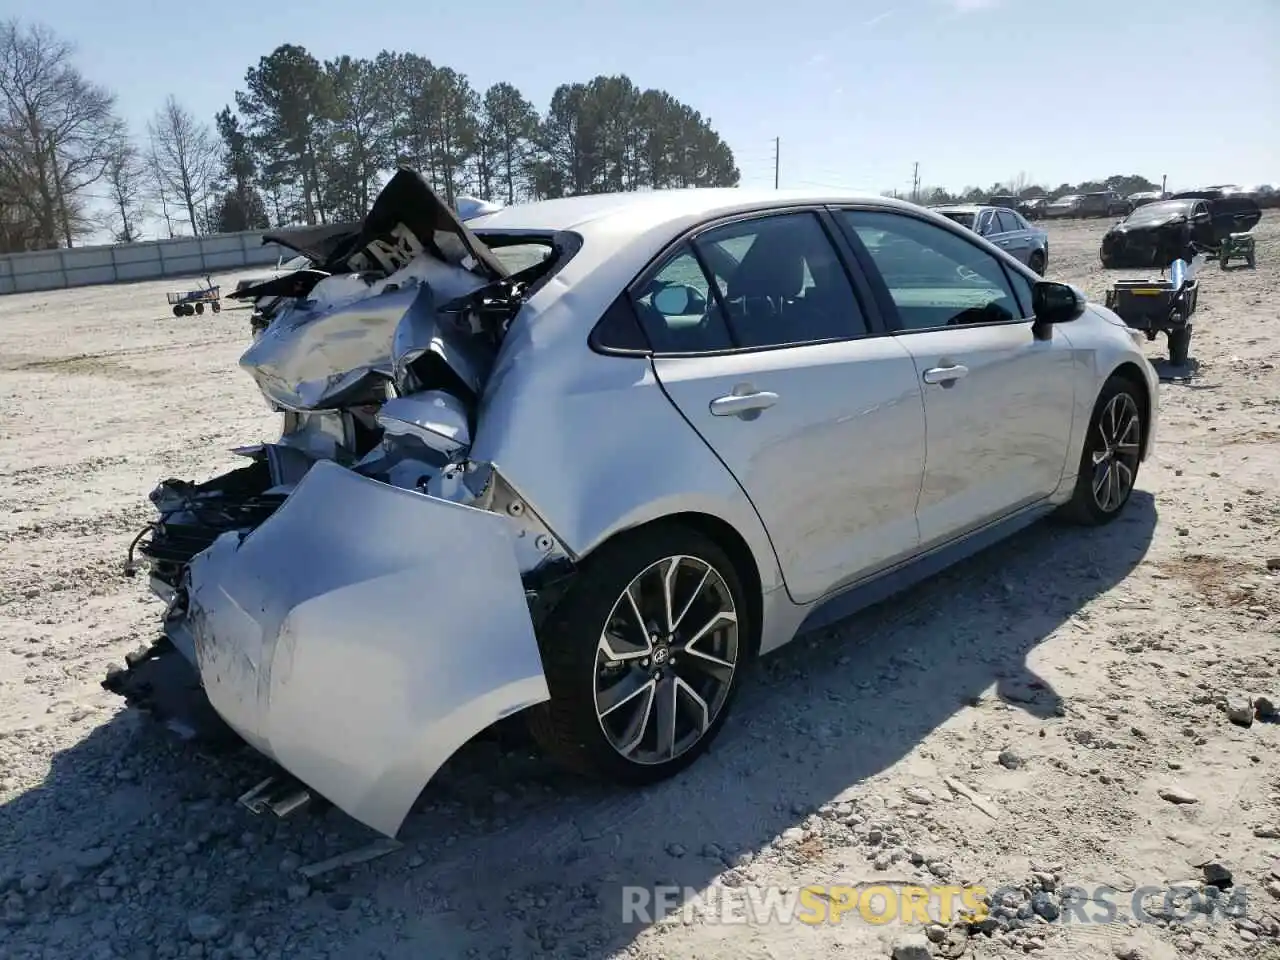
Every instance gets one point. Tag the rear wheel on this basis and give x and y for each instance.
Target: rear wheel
(200, 308)
(642, 656)
(177, 309)
(1180, 345)
(1037, 262)
(1111, 455)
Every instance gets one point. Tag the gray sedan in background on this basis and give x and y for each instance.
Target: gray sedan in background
(1007, 229)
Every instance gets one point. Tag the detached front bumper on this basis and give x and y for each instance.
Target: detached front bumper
(361, 635)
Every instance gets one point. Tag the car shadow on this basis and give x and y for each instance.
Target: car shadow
(507, 856)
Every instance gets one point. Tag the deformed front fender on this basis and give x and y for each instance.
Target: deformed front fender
(362, 634)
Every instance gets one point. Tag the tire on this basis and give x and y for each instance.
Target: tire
(188, 310)
(1118, 403)
(1180, 345)
(1037, 262)
(580, 672)
(200, 308)
(217, 307)
(177, 309)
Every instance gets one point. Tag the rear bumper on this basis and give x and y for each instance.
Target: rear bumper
(362, 634)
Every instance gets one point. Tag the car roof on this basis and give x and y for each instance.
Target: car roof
(963, 207)
(645, 209)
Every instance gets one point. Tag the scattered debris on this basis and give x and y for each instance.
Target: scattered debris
(379, 848)
(978, 800)
(1177, 795)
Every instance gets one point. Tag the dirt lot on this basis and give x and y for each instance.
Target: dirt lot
(1068, 678)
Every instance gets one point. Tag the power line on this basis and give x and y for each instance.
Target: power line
(777, 160)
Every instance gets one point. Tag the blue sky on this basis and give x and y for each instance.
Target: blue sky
(857, 90)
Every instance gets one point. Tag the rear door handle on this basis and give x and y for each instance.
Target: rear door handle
(736, 405)
(945, 375)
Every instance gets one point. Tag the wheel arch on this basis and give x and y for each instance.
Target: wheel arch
(723, 535)
(1132, 374)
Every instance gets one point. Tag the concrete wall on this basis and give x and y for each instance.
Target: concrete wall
(148, 260)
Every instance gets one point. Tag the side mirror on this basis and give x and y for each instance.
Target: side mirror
(1053, 302)
(678, 300)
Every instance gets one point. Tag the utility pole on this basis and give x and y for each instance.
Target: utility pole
(1164, 184)
(915, 183)
(777, 158)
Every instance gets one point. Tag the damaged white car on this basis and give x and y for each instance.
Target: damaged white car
(586, 458)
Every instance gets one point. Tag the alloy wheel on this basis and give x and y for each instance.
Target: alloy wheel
(666, 660)
(1116, 451)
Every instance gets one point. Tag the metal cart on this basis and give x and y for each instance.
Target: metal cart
(192, 302)
(1163, 304)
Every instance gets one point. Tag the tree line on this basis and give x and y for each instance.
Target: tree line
(310, 142)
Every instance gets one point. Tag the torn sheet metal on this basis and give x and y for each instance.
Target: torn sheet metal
(340, 353)
(435, 419)
(362, 634)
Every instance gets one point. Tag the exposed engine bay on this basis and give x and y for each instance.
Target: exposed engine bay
(376, 358)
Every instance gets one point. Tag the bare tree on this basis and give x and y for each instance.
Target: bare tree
(183, 158)
(57, 132)
(127, 189)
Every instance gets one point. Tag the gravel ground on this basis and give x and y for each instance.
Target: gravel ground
(1081, 684)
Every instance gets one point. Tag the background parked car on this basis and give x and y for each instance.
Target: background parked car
(1005, 201)
(1103, 203)
(1033, 209)
(1063, 207)
(1143, 197)
(1007, 229)
(1231, 211)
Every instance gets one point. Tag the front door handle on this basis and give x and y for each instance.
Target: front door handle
(946, 375)
(744, 404)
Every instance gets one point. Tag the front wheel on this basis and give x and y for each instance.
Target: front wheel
(1111, 455)
(642, 656)
(1037, 262)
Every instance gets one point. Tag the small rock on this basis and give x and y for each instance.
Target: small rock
(676, 850)
(340, 901)
(912, 946)
(1177, 795)
(792, 835)
(918, 795)
(290, 862)
(204, 928)
(936, 932)
(416, 861)
(1267, 833)
(1239, 709)
(1045, 906)
(1216, 873)
(34, 882)
(1273, 888)
(1266, 708)
(298, 891)
(1127, 951)
(1273, 563)
(93, 858)
(1010, 759)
